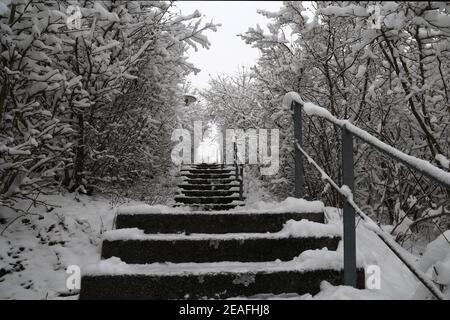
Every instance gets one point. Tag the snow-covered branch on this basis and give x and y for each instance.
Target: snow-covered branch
(420, 165)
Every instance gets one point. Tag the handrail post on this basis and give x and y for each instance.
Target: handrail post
(239, 171)
(298, 174)
(235, 160)
(349, 213)
(241, 183)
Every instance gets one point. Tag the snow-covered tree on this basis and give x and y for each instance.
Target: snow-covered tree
(88, 91)
(387, 73)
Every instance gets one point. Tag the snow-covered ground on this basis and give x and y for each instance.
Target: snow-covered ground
(37, 248)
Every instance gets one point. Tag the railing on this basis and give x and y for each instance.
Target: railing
(239, 172)
(349, 207)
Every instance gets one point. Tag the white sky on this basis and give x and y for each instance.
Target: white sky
(228, 52)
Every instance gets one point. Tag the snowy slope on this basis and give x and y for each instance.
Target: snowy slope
(36, 249)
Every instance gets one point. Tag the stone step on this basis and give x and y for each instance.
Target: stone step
(202, 281)
(206, 166)
(211, 206)
(212, 222)
(209, 176)
(211, 181)
(186, 186)
(211, 248)
(208, 193)
(206, 200)
(207, 171)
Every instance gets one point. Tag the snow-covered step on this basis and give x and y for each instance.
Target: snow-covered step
(114, 279)
(134, 246)
(207, 167)
(208, 193)
(208, 175)
(213, 206)
(186, 186)
(211, 181)
(207, 171)
(213, 221)
(206, 199)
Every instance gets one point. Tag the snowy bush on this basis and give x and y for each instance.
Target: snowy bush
(390, 80)
(91, 104)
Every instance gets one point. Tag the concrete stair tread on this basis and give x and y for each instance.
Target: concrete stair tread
(209, 285)
(187, 186)
(203, 199)
(309, 260)
(211, 181)
(134, 246)
(207, 171)
(210, 173)
(208, 197)
(304, 229)
(207, 200)
(212, 221)
(230, 176)
(231, 168)
(217, 212)
(114, 279)
(207, 193)
(213, 206)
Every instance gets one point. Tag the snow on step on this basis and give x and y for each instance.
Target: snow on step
(134, 246)
(204, 257)
(195, 193)
(208, 175)
(208, 171)
(214, 250)
(187, 186)
(209, 285)
(114, 279)
(320, 259)
(292, 228)
(212, 181)
(214, 206)
(209, 195)
(288, 205)
(213, 221)
(198, 200)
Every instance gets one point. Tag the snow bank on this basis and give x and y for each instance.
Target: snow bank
(397, 281)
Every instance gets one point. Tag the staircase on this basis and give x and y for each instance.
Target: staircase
(210, 187)
(214, 253)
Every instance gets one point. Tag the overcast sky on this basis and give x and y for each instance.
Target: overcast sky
(228, 52)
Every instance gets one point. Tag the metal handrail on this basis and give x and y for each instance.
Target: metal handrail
(239, 172)
(348, 131)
